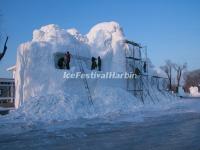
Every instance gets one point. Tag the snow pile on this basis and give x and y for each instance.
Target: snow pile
(194, 91)
(64, 106)
(43, 94)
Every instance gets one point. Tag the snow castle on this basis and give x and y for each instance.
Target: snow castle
(41, 88)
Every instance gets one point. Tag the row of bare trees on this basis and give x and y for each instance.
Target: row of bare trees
(174, 73)
(191, 78)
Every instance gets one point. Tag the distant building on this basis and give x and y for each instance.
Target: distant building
(13, 70)
(7, 90)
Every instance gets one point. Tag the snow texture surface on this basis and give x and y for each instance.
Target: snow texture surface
(43, 94)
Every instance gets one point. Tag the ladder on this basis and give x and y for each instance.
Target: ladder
(84, 79)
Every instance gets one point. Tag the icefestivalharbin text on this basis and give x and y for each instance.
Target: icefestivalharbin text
(97, 75)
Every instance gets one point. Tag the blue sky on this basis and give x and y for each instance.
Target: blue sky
(169, 28)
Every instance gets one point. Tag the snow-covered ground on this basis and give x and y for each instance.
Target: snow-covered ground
(145, 130)
(20, 122)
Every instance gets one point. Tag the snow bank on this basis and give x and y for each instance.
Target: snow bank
(64, 106)
(194, 91)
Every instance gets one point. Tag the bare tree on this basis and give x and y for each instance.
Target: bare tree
(191, 78)
(5, 43)
(179, 68)
(167, 68)
(4, 49)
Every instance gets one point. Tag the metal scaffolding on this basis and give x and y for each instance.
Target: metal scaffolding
(135, 64)
(140, 85)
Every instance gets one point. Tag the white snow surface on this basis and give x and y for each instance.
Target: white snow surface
(43, 94)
